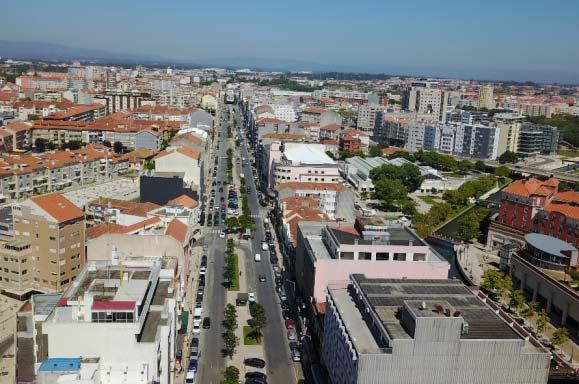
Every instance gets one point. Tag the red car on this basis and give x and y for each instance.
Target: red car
(289, 324)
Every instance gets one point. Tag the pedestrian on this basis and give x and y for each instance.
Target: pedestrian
(239, 273)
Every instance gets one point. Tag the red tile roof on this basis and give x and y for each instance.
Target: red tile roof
(182, 150)
(330, 127)
(101, 229)
(185, 201)
(177, 230)
(531, 187)
(57, 206)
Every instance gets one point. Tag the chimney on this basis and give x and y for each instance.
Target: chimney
(456, 314)
(447, 312)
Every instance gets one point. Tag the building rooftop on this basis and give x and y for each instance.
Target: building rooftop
(448, 298)
(307, 155)
(549, 244)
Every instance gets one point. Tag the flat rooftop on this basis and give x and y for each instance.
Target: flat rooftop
(357, 328)
(387, 296)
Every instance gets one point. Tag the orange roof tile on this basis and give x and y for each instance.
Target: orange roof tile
(177, 230)
(185, 201)
(529, 188)
(182, 150)
(58, 206)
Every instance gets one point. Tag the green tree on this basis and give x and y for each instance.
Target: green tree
(542, 321)
(480, 166)
(508, 157)
(517, 299)
(245, 221)
(502, 171)
(465, 166)
(331, 154)
(107, 144)
(232, 222)
(494, 281)
(231, 375)
(40, 144)
(258, 319)
(376, 150)
(408, 174)
(560, 336)
(390, 192)
(230, 342)
(468, 228)
(149, 164)
(118, 147)
(230, 317)
(530, 311)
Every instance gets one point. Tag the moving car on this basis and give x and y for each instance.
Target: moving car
(261, 278)
(206, 323)
(254, 362)
(291, 334)
(251, 297)
(222, 235)
(257, 257)
(264, 246)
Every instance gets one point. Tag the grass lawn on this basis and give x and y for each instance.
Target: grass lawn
(453, 174)
(234, 286)
(568, 153)
(429, 199)
(247, 339)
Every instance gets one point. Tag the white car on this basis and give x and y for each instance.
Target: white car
(202, 270)
(196, 329)
(251, 297)
(222, 235)
(264, 246)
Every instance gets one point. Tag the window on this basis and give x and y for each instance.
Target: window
(364, 255)
(399, 257)
(420, 257)
(382, 256)
(347, 255)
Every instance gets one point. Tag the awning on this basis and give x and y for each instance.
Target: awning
(184, 321)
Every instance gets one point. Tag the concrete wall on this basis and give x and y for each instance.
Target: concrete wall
(177, 162)
(561, 304)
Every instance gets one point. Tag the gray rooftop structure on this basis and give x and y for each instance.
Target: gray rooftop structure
(406, 331)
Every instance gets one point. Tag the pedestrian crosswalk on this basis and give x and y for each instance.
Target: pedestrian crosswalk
(214, 230)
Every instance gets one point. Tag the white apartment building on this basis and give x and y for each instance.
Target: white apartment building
(119, 313)
(368, 117)
(427, 101)
(285, 112)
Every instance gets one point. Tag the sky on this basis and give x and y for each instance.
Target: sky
(504, 40)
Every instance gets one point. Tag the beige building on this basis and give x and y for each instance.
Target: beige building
(47, 249)
(509, 125)
(486, 98)
(429, 102)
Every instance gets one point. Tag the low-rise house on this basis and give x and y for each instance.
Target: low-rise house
(336, 201)
(181, 159)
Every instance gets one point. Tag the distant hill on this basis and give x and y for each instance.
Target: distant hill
(49, 51)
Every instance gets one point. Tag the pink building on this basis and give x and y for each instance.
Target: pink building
(329, 253)
(302, 163)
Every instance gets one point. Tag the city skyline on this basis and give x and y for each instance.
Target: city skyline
(493, 41)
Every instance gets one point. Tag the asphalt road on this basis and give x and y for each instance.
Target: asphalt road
(211, 360)
(280, 367)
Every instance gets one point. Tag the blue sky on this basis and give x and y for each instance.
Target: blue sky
(509, 39)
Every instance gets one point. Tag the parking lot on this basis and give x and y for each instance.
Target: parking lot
(123, 188)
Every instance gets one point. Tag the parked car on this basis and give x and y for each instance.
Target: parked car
(254, 362)
(261, 278)
(256, 375)
(196, 329)
(289, 324)
(264, 246)
(295, 352)
(292, 335)
(251, 297)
